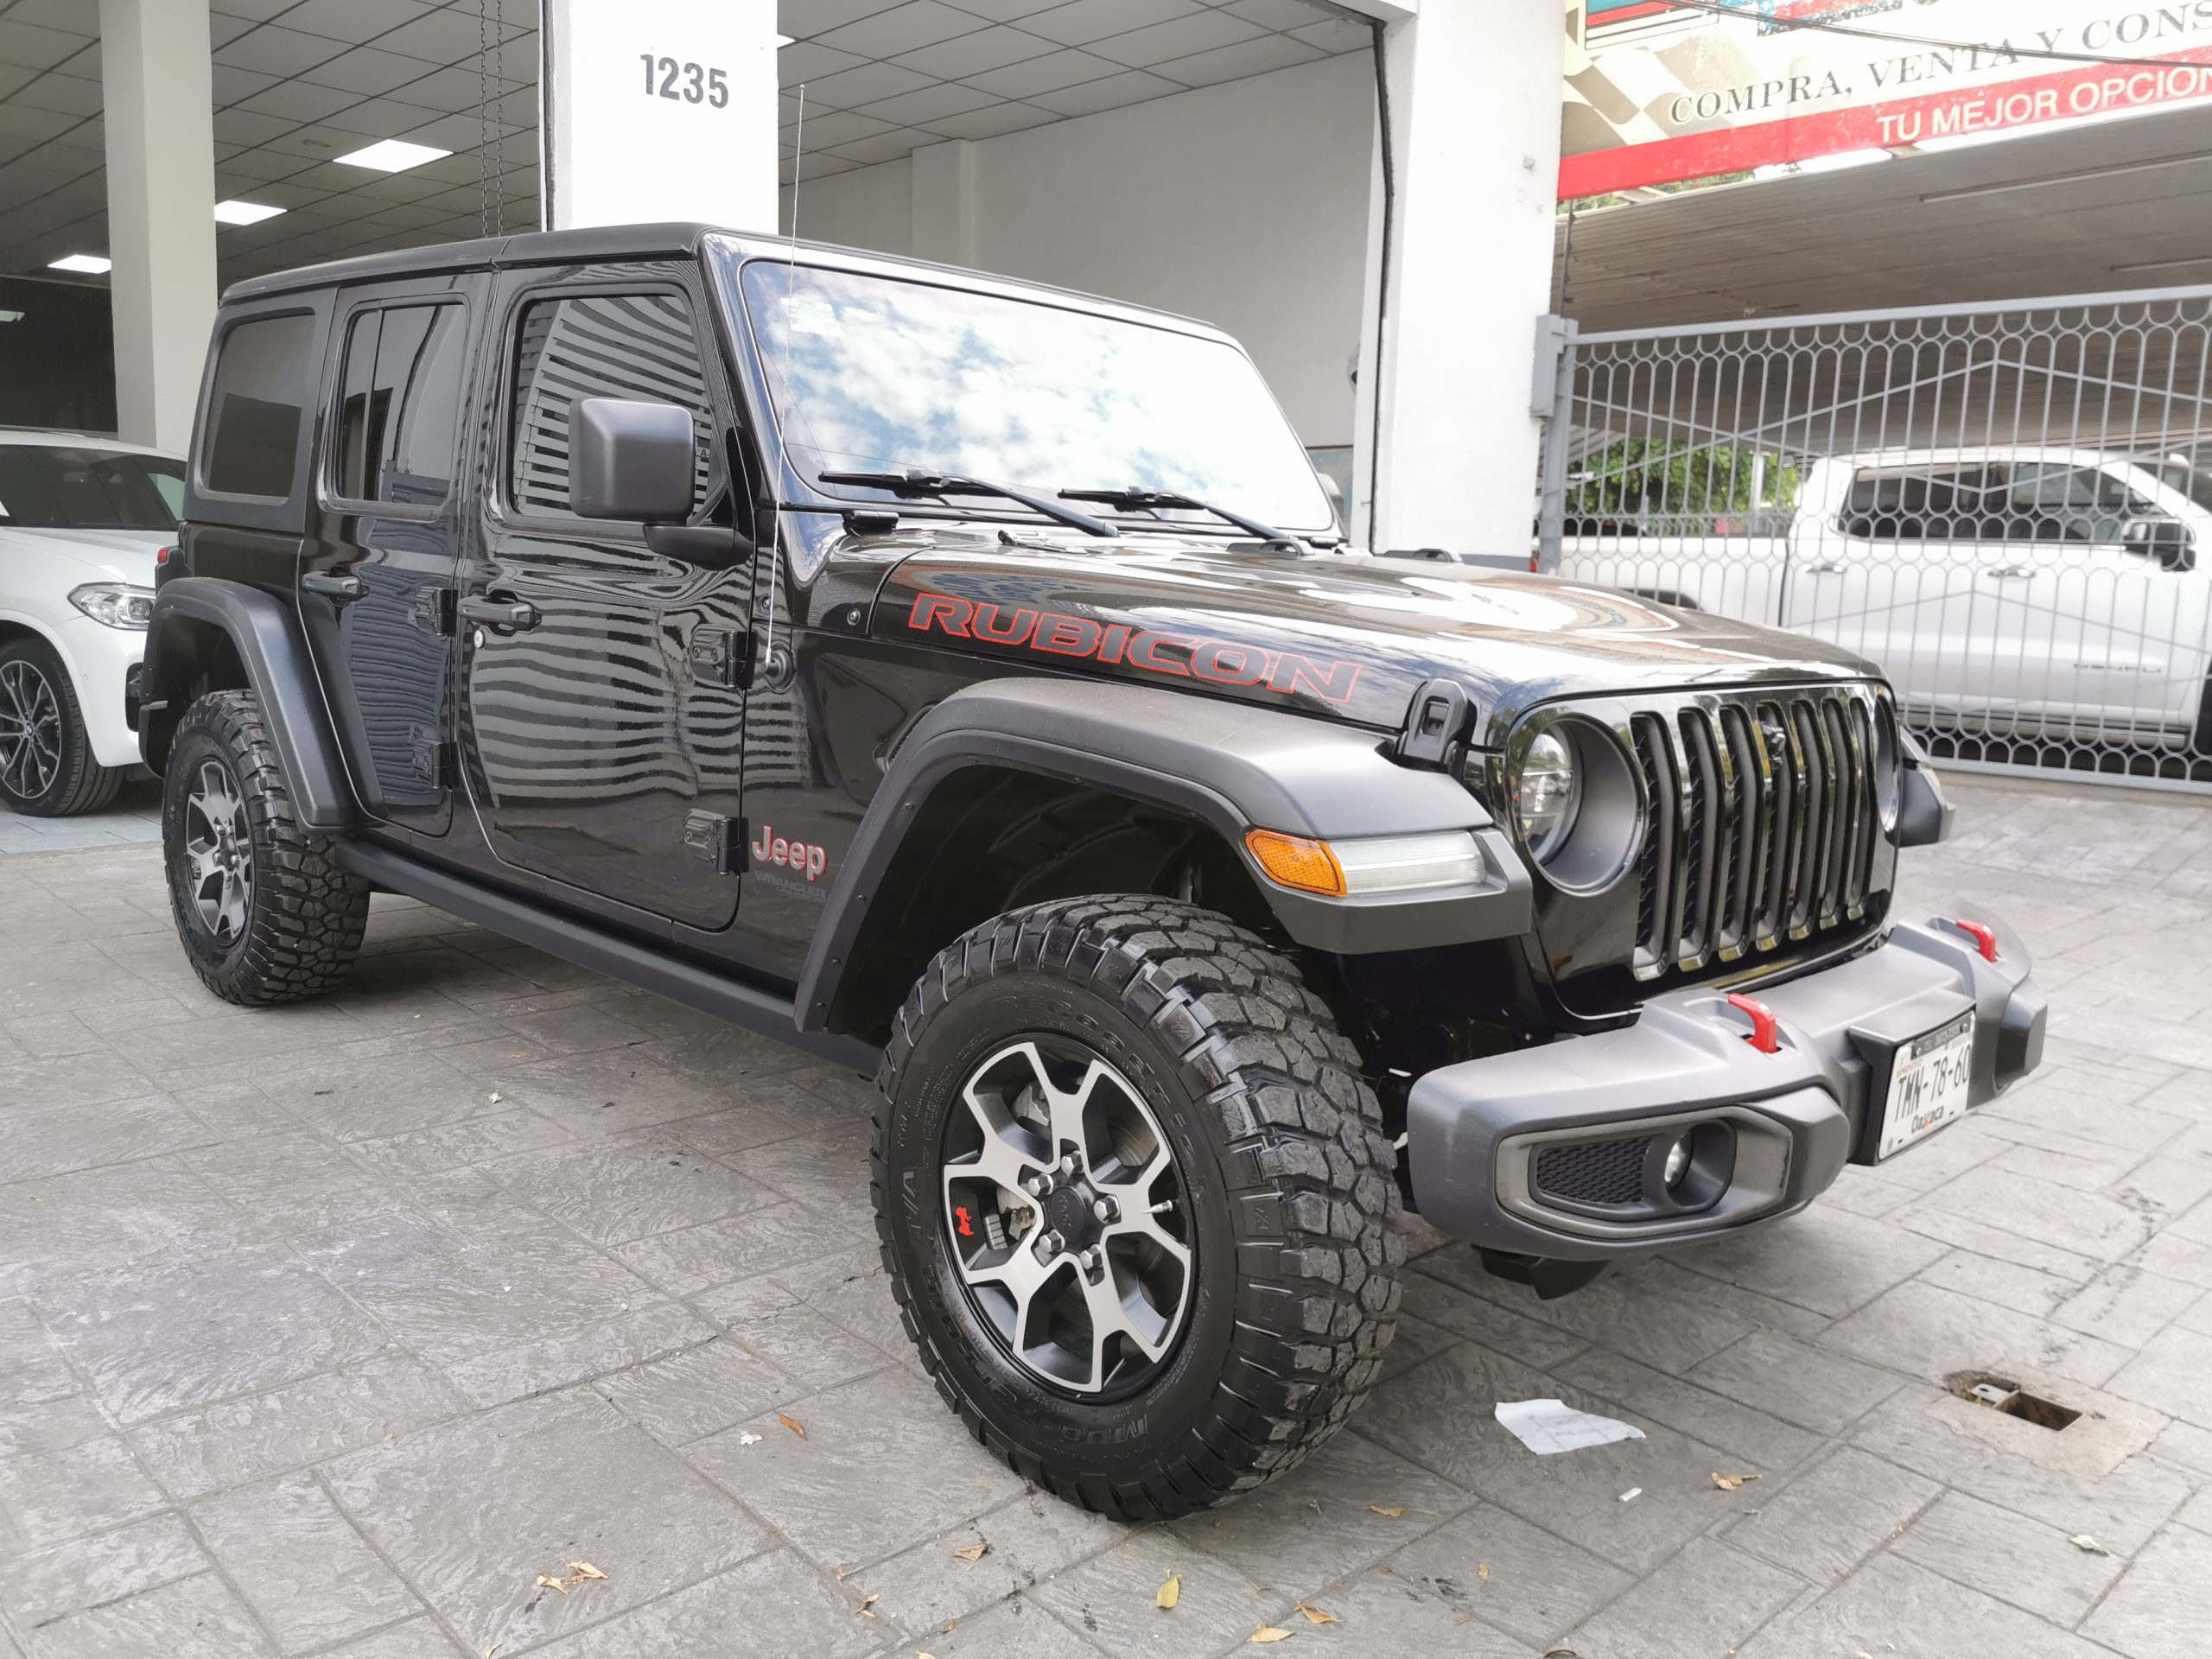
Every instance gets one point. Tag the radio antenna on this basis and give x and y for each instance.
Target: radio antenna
(791, 285)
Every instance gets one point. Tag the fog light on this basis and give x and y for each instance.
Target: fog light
(1678, 1162)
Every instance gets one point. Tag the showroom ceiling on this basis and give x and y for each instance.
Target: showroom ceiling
(300, 82)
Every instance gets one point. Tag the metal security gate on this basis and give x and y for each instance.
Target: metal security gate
(2007, 507)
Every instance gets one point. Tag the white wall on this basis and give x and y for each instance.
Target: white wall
(1244, 205)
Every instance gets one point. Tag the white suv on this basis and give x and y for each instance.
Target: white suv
(81, 519)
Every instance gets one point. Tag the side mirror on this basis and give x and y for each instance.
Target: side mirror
(2167, 540)
(631, 460)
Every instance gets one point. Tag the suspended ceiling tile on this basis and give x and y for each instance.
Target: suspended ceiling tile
(850, 88)
(294, 101)
(1279, 15)
(884, 147)
(275, 50)
(1007, 11)
(1082, 21)
(455, 90)
(805, 60)
(355, 21)
(804, 19)
(1336, 36)
(995, 122)
(454, 132)
(373, 117)
(368, 70)
(1142, 48)
(22, 121)
(1045, 75)
(79, 18)
(252, 11)
(972, 54)
(825, 129)
(246, 127)
(1247, 58)
(37, 48)
(905, 27)
(1113, 93)
(255, 163)
(64, 94)
(233, 83)
(819, 165)
(924, 108)
(448, 35)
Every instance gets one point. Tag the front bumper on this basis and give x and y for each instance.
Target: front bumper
(1788, 1120)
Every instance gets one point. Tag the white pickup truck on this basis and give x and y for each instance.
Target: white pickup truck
(2021, 592)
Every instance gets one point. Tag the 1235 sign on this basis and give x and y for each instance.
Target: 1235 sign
(687, 82)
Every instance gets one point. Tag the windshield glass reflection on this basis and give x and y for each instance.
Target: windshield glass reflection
(873, 373)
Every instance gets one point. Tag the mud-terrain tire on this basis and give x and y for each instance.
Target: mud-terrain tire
(47, 767)
(1282, 1185)
(290, 928)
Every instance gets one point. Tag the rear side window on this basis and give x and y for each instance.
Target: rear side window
(399, 405)
(256, 410)
(57, 488)
(637, 346)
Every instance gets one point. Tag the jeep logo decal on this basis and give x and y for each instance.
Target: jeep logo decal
(1184, 656)
(772, 848)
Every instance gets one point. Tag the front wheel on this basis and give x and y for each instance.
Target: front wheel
(1136, 1201)
(264, 910)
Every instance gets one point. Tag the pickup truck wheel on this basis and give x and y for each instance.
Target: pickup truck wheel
(1134, 1200)
(47, 768)
(262, 908)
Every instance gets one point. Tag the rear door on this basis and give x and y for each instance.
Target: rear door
(603, 719)
(377, 579)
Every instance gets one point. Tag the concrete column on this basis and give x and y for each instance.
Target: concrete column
(657, 110)
(1446, 446)
(945, 202)
(159, 101)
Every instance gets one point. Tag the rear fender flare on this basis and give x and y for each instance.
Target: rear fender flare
(1226, 765)
(191, 615)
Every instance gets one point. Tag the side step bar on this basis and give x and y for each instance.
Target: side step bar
(606, 953)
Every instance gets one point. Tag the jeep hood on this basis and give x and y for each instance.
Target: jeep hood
(1344, 635)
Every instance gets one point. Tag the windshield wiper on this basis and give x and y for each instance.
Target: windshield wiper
(1131, 499)
(916, 482)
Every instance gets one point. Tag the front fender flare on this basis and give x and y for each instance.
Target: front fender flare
(1231, 765)
(189, 614)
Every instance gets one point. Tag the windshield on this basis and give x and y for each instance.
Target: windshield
(875, 373)
(43, 487)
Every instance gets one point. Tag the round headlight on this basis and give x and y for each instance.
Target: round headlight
(1547, 794)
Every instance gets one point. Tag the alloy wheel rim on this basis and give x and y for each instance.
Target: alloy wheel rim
(30, 730)
(219, 848)
(1066, 1217)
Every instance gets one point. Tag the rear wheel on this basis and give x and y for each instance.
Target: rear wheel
(1136, 1202)
(47, 768)
(263, 909)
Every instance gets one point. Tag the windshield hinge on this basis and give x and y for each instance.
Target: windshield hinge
(1435, 724)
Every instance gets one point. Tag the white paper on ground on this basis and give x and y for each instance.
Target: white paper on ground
(1546, 1427)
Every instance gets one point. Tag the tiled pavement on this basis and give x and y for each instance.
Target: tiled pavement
(135, 815)
(349, 1329)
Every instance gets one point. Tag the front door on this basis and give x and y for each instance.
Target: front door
(602, 717)
(377, 579)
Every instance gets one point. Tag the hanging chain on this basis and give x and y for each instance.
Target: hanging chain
(492, 210)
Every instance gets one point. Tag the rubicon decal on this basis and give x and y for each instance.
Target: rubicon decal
(1154, 650)
(772, 848)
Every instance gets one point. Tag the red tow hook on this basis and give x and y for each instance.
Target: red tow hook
(1984, 936)
(1766, 1030)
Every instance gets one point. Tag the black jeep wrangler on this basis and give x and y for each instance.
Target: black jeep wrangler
(966, 682)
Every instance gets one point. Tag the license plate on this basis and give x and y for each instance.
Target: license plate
(1929, 1080)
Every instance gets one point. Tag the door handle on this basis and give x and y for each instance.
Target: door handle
(2009, 572)
(1825, 567)
(334, 584)
(514, 615)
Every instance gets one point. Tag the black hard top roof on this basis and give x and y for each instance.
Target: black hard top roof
(527, 248)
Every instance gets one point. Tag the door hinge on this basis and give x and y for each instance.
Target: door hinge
(432, 610)
(717, 839)
(432, 758)
(721, 657)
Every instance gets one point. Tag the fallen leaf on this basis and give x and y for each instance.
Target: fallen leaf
(495, 1098)
(862, 1610)
(2082, 1541)
(1265, 1634)
(1729, 1483)
(1170, 1593)
(1632, 1494)
(1482, 1571)
(1317, 1616)
(746, 1437)
(973, 1553)
(585, 1570)
(1393, 1511)
(792, 1423)
(547, 1582)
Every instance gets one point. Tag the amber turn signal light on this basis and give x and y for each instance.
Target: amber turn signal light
(1297, 862)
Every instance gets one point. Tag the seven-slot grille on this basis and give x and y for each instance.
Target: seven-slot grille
(1763, 828)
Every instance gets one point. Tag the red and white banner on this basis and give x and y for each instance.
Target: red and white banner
(1657, 91)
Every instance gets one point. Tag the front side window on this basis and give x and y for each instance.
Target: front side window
(84, 488)
(882, 374)
(256, 409)
(2055, 503)
(399, 404)
(636, 346)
